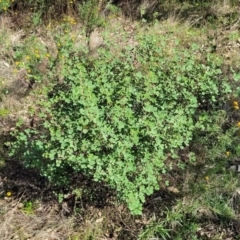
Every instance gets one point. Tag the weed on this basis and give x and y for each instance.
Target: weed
(28, 208)
(155, 231)
(112, 10)
(4, 5)
(36, 18)
(4, 112)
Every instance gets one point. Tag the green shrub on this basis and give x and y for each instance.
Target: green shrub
(89, 12)
(118, 118)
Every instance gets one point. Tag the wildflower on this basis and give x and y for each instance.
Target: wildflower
(235, 105)
(27, 57)
(227, 153)
(206, 178)
(17, 63)
(8, 193)
(238, 124)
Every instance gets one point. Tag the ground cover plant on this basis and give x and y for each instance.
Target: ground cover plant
(123, 116)
(133, 138)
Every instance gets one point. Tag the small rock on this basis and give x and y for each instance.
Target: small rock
(95, 40)
(233, 168)
(158, 198)
(8, 199)
(20, 205)
(173, 190)
(99, 220)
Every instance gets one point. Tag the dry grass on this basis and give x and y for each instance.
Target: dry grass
(12, 83)
(222, 8)
(47, 222)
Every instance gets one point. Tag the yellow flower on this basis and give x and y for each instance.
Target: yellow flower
(236, 107)
(235, 103)
(17, 63)
(27, 57)
(8, 193)
(206, 178)
(227, 153)
(238, 124)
